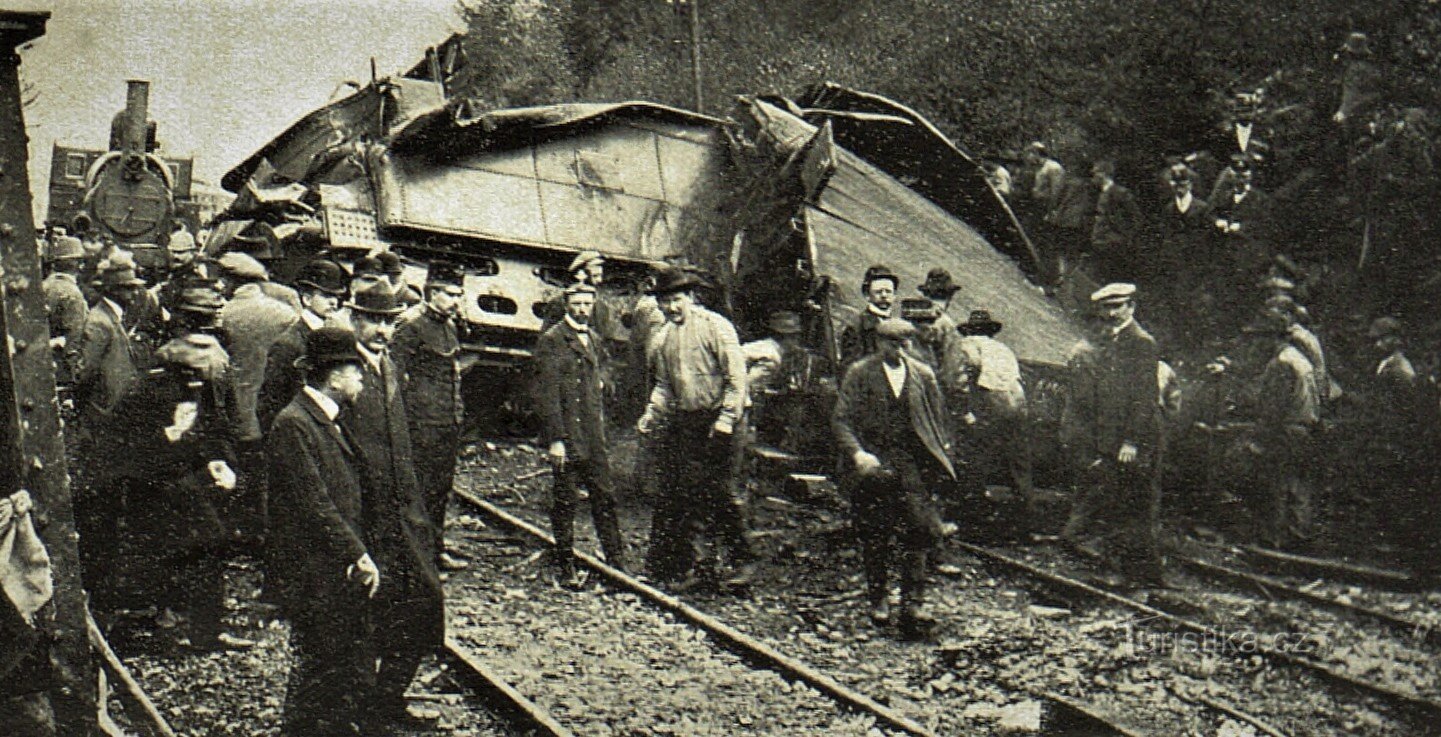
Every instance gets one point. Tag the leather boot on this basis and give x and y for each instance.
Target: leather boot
(914, 623)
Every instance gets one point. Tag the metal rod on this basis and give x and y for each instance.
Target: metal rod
(499, 694)
(695, 68)
(131, 690)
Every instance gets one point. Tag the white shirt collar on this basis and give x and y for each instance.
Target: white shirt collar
(579, 328)
(371, 357)
(878, 312)
(312, 320)
(895, 376)
(1238, 196)
(1183, 203)
(326, 404)
(119, 311)
(1117, 330)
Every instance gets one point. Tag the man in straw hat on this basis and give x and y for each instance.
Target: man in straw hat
(1119, 443)
(409, 607)
(890, 423)
(427, 351)
(696, 404)
(319, 556)
(571, 400)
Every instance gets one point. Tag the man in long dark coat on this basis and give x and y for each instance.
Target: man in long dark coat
(1118, 441)
(409, 608)
(571, 402)
(322, 285)
(319, 560)
(890, 421)
(426, 349)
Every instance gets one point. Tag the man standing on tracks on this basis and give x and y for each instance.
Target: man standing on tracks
(320, 562)
(426, 349)
(409, 608)
(1119, 441)
(699, 394)
(858, 340)
(890, 423)
(1288, 413)
(572, 410)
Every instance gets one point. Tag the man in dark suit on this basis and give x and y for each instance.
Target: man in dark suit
(426, 349)
(1118, 441)
(571, 401)
(409, 609)
(890, 422)
(319, 559)
(1117, 224)
(322, 285)
(858, 340)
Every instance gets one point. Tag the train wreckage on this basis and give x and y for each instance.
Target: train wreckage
(785, 205)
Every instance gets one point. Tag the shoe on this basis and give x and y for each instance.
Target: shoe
(223, 642)
(572, 580)
(881, 613)
(405, 721)
(689, 584)
(740, 578)
(447, 562)
(915, 624)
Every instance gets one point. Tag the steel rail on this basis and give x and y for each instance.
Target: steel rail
(1061, 708)
(499, 695)
(1416, 706)
(734, 640)
(1347, 571)
(1226, 573)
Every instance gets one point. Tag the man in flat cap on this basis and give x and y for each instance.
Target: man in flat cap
(570, 397)
(890, 423)
(858, 339)
(1288, 415)
(1119, 442)
(697, 402)
(409, 614)
(1118, 221)
(427, 351)
(319, 558)
(65, 304)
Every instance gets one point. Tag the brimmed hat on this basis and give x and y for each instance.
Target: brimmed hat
(118, 275)
(1357, 43)
(938, 285)
(67, 248)
(919, 310)
(243, 267)
(894, 328)
(324, 275)
(375, 299)
(390, 263)
(329, 346)
(1383, 327)
(979, 323)
(785, 322)
(444, 273)
(879, 271)
(671, 280)
(583, 258)
(1114, 293)
(578, 288)
(367, 266)
(1036, 147)
(200, 297)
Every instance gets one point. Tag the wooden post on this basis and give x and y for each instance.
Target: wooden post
(695, 69)
(35, 458)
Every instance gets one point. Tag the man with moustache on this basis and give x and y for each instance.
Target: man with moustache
(319, 559)
(321, 284)
(409, 614)
(858, 340)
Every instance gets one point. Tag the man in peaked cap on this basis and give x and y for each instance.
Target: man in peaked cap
(427, 351)
(65, 304)
(571, 401)
(696, 405)
(319, 557)
(588, 267)
(858, 340)
(1288, 414)
(1120, 442)
(409, 607)
(321, 286)
(889, 420)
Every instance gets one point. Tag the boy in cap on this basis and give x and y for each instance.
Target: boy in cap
(427, 351)
(889, 422)
(1118, 442)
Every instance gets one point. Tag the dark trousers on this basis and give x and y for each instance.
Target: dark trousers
(697, 490)
(892, 512)
(333, 673)
(434, 448)
(1282, 511)
(1119, 506)
(594, 474)
(194, 582)
(408, 617)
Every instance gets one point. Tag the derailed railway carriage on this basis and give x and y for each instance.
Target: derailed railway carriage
(772, 204)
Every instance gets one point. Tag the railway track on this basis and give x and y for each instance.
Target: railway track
(847, 709)
(1416, 709)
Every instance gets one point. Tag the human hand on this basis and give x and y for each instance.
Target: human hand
(866, 463)
(645, 424)
(365, 573)
(222, 474)
(1127, 454)
(557, 452)
(722, 427)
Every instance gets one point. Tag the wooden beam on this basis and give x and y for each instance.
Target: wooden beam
(36, 453)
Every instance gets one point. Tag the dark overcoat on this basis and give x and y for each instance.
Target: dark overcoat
(104, 366)
(426, 349)
(1118, 396)
(282, 379)
(569, 392)
(857, 421)
(858, 340)
(315, 511)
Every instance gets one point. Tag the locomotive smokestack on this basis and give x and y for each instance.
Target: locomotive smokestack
(137, 112)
